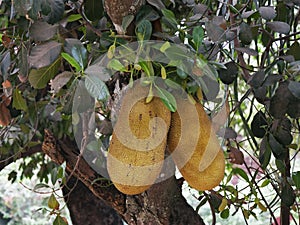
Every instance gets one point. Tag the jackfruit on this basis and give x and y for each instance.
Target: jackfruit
(137, 148)
(194, 146)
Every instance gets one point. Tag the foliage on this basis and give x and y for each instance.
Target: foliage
(50, 47)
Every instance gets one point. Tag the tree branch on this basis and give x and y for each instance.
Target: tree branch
(162, 204)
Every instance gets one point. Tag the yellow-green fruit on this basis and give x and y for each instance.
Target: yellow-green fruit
(194, 146)
(137, 147)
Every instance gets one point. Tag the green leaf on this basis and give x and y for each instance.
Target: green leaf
(74, 17)
(177, 53)
(241, 173)
(39, 186)
(44, 54)
(225, 213)
(278, 150)
(53, 10)
(53, 203)
(265, 183)
(287, 195)
(172, 84)
(99, 71)
(93, 9)
(18, 101)
(264, 153)
(280, 27)
(127, 20)
(296, 179)
(245, 33)
(198, 35)
(53, 175)
(116, 65)
(169, 18)
(59, 221)
(167, 98)
(39, 78)
(71, 61)
(165, 46)
(96, 87)
(146, 13)
(294, 88)
(147, 67)
(42, 31)
(79, 53)
(144, 30)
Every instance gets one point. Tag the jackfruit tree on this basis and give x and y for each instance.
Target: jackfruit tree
(153, 112)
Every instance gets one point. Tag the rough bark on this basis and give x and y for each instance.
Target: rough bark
(162, 204)
(85, 208)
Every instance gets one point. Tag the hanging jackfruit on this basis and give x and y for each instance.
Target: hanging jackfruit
(194, 146)
(137, 148)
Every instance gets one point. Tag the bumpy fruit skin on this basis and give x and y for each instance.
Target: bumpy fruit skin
(137, 148)
(194, 146)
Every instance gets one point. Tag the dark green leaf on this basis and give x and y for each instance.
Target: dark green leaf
(146, 13)
(198, 35)
(225, 213)
(59, 221)
(23, 61)
(39, 78)
(280, 101)
(245, 33)
(294, 50)
(99, 71)
(157, 3)
(264, 153)
(144, 30)
(247, 50)
(39, 186)
(53, 9)
(283, 132)
(280, 27)
(215, 32)
(229, 74)
(53, 203)
(267, 12)
(241, 173)
(294, 88)
(96, 87)
(259, 125)
(93, 9)
(5, 64)
(80, 54)
(60, 80)
(257, 79)
(169, 19)
(22, 7)
(296, 179)
(175, 52)
(12, 176)
(287, 195)
(18, 101)
(44, 54)
(42, 31)
(278, 150)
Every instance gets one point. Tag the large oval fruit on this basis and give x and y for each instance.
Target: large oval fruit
(136, 151)
(194, 146)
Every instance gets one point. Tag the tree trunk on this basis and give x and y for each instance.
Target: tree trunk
(85, 208)
(162, 204)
